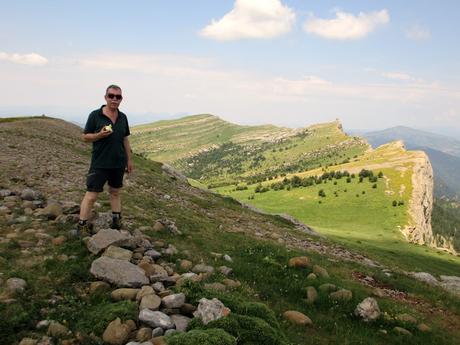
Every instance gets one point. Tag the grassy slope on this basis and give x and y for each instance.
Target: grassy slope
(367, 222)
(208, 223)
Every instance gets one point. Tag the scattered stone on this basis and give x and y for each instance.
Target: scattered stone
(145, 290)
(15, 285)
(402, 331)
(28, 341)
(155, 319)
(215, 286)
(202, 268)
(368, 310)
(124, 294)
(185, 265)
(174, 301)
(153, 254)
(451, 284)
(118, 253)
(157, 332)
(425, 277)
(297, 318)
(158, 226)
(171, 250)
(98, 287)
(159, 341)
(158, 287)
(228, 258)
(320, 271)
(312, 295)
(52, 210)
(299, 261)
(116, 333)
(326, 288)
(58, 241)
(424, 328)
(312, 276)
(104, 238)
(181, 322)
(151, 302)
(118, 272)
(27, 194)
(406, 318)
(43, 324)
(210, 310)
(57, 330)
(225, 270)
(169, 332)
(341, 295)
(232, 283)
(377, 292)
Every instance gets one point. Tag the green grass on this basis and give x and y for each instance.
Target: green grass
(365, 222)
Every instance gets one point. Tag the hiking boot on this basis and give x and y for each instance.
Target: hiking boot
(85, 229)
(116, 223)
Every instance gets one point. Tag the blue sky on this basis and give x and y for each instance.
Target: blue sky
(372, 64)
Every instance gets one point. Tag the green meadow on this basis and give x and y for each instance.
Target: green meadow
(356, 215)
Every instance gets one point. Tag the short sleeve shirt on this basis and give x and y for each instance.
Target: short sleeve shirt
(109, 152)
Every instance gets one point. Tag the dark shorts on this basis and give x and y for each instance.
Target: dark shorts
(96, 179)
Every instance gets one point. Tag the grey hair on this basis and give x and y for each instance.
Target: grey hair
(112, 86)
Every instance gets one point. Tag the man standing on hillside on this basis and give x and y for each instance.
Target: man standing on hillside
(107, 128)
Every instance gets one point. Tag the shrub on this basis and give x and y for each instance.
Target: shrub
(321, 193)
(394, 203)
(374, 185)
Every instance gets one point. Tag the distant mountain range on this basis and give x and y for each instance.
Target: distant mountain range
(443, 151)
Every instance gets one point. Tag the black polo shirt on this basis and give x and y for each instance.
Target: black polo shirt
(108, 152)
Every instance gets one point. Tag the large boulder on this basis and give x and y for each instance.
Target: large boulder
(119, 272)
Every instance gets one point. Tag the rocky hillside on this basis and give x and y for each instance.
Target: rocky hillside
(188, 267)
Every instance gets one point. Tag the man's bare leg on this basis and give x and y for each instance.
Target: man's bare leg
(87, 204)
(115, 199)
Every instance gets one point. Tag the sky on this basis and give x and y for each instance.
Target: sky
(371, 64)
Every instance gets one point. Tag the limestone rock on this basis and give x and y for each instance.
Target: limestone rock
(174, 301)
(119, 272)
(210, 310)
(341, 295)
(402, 331)
(124, 294)
(151, 302)
(299, 261)
(57, 330)
(202, 268)
(368, 309)
(144, 334)
(181, 322)
(118, 253)
(297, 318)
(320, 271)
(312, 295)
(156, 319)
(104, 238)
(116, 333)
(15, 285)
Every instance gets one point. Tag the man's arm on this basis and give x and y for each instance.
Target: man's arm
(91, 137)
(129, 162)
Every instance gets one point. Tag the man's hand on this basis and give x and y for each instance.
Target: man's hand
(104, 133)
(129, 166)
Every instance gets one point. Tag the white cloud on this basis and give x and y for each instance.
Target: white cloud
(24, 59)
(346, 26)
(252, 19)
(417, 33)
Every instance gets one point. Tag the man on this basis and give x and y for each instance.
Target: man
(107, 128)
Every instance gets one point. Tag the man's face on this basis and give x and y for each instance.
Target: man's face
(113, 98)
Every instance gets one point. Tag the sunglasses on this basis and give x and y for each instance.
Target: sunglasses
(112, 96)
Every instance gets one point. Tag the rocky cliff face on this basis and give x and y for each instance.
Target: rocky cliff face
(421, 206)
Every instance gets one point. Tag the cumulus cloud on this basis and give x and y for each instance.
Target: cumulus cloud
(417, 33)
(259, 19)
(346, 26)
(24, 59)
